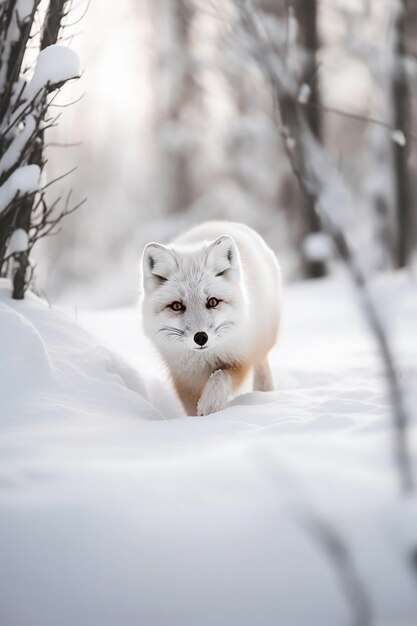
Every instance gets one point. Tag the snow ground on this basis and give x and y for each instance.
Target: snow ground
(115, 514)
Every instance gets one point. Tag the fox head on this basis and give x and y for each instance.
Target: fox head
(193, 296)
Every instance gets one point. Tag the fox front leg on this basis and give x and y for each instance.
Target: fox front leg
(215, 393)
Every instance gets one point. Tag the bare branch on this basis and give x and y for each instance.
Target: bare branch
(320, 181)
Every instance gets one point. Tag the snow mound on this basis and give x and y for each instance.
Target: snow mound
(51, 367)
(282, 509)
(25, 362)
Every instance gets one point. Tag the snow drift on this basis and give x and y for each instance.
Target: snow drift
(113, 514)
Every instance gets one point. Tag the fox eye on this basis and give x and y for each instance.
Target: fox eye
(212, 303)
(177, 306)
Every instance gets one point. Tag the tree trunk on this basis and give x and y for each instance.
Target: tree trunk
(306, 14)
(175, 93)
(50, 34)
(12, 57)
(401, 122)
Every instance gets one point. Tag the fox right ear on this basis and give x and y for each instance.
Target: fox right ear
(158, 263)
(223, 257)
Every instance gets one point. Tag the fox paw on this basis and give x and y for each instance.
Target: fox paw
(214, 396)
(206, 406)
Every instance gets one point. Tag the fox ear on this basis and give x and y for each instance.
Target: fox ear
(223, 257)
(158, 263)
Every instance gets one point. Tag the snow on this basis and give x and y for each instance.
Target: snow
(398, 137)
(304, 94)
(18, 242)
(318, 247)
(24, 9)
(19, 144)
(116, 514)
(55, 64)
(24, 179)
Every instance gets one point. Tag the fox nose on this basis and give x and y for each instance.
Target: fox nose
(200, 338)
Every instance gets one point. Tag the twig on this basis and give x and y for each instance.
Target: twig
(357, 117)
(338, 554)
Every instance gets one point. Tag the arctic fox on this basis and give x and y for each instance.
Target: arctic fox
(212, 301)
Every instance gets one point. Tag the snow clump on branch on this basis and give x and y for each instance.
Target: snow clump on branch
(25, 179)
(19, 241)
(55, 64)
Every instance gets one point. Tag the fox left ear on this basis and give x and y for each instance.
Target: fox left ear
(223, 257)
(158, 263)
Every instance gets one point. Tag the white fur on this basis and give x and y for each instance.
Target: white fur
(232, 263)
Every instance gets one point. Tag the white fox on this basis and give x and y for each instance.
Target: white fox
(212, 302)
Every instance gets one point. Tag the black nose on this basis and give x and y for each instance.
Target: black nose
(200, 338)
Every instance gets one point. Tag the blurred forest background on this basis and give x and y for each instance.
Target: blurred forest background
(174, 123)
